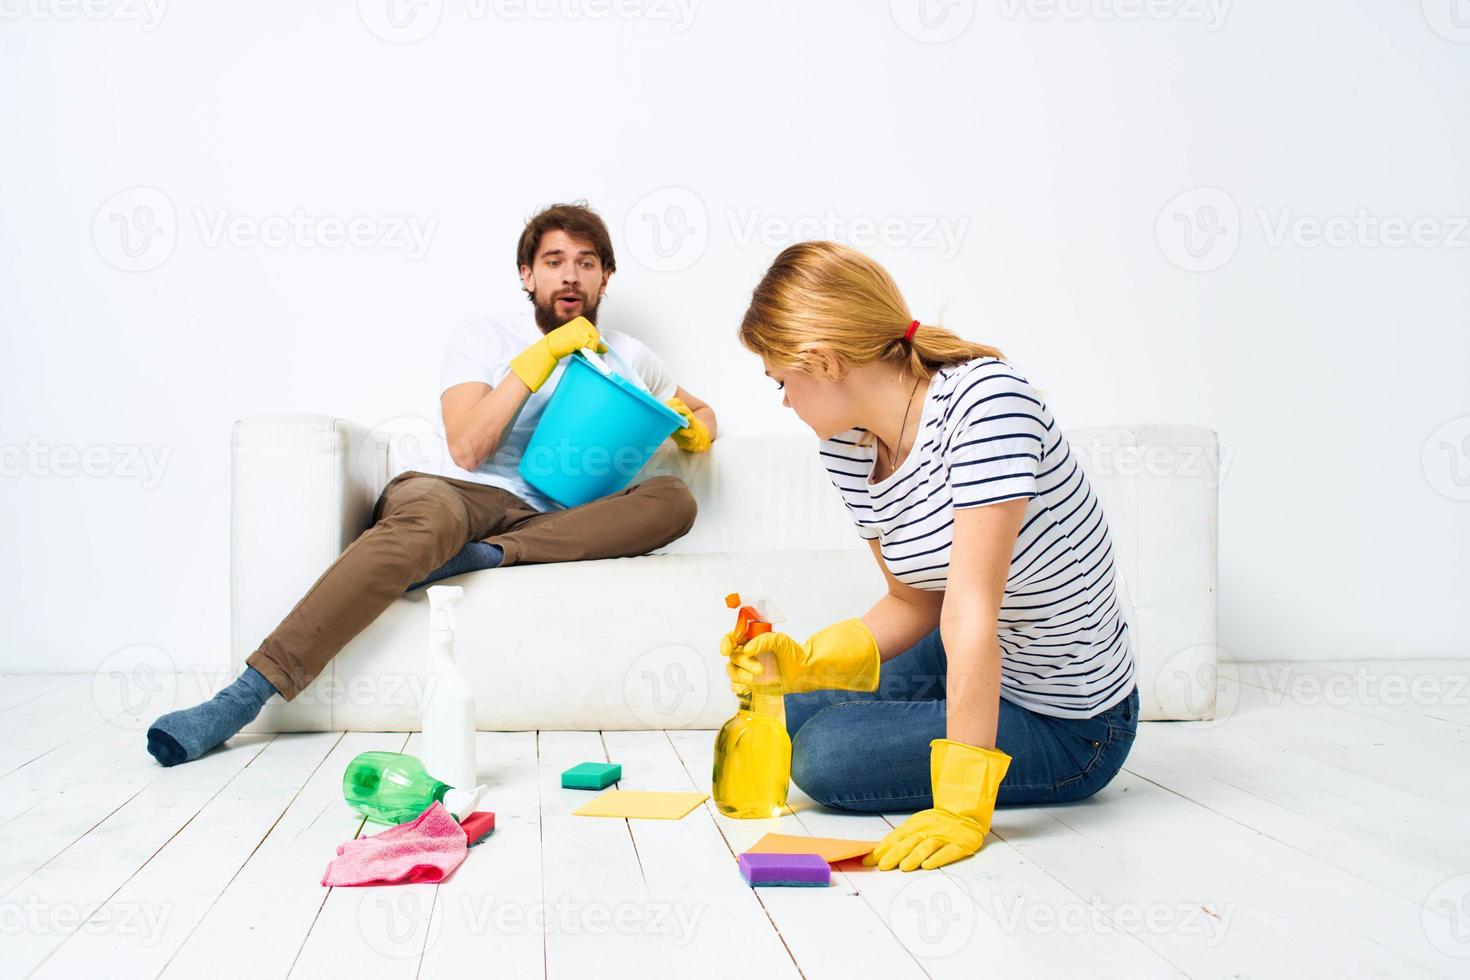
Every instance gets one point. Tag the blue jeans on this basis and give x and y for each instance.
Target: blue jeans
(870, 751)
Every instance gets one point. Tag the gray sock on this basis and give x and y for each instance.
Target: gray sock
(183, 736)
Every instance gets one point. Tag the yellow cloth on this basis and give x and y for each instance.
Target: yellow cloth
(965, 780)
(843, 657)
(830, 849)
(694, 437)
(535, 364)
(640, 803)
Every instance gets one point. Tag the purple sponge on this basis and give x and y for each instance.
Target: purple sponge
(785, 869)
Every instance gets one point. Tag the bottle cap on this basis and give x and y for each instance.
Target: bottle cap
(462, 802)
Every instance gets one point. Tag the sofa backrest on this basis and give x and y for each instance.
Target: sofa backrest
(758, 493)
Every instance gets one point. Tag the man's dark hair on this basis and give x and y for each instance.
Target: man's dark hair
(577, 220)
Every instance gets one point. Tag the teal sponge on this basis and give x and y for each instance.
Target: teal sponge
(591, 775)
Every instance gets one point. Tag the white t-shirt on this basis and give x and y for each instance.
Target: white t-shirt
(986, 436)
(482, 349)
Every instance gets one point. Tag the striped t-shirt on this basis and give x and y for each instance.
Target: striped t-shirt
(986, 436)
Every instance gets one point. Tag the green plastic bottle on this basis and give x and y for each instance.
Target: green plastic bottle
(394, 788)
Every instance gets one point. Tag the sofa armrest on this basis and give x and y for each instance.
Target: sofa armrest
(302, 488)
(1159, 486)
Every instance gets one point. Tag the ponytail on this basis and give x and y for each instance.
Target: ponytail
(822, 296)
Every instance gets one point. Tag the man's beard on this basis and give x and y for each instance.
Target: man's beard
(548, 319)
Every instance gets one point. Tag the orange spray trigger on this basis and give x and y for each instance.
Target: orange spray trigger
(748, 617)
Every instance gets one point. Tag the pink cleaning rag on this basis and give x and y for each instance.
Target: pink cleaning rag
(428, 848)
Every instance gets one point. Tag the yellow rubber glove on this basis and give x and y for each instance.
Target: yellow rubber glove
(535, 364)
(965, 780)
(842, 657)
(694, 437)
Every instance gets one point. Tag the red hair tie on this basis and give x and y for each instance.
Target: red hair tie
(909, 334)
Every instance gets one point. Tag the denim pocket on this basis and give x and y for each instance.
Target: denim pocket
(1103, 737)
(1084, 740)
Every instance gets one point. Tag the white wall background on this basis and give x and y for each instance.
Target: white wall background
(1050, 139)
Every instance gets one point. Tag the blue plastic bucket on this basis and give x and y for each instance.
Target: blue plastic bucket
(597, 431)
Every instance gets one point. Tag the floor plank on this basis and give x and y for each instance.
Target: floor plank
(591, 871)
(74, 761)
(1311, 830)
(44, 722)
(171, 893)
(20, 689)
(366, 931)
(65, 888)
(714, 923)
(1183, 929)
(1435, 690)
(77, 808)
(269, 904)
(1423, 700)
(1274, 793)
(1414, 763)
(827, 939)
(1266, 889)
(1018, 912)
(476, 918)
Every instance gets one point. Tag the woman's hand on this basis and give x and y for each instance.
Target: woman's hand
(965, 780)
(740, 668)
(843, 656)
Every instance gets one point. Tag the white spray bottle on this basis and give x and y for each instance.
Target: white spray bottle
(449, 710)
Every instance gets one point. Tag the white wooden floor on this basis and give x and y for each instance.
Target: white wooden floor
(1318, 829)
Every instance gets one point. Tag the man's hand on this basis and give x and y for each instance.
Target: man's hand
(535, 364)
(695, 436)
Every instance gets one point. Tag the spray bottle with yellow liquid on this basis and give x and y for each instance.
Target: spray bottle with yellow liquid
(752, 770)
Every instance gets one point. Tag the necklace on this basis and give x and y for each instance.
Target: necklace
(892, 454)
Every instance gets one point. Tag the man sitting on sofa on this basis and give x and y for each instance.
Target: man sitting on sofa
(477, 512)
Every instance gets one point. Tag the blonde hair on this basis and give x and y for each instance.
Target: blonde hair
(821, 296)
(825, 296)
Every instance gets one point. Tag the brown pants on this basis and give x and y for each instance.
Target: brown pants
(422, 520)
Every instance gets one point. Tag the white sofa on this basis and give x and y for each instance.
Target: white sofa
(639, 648)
